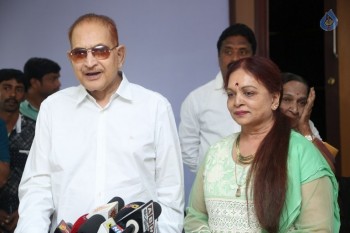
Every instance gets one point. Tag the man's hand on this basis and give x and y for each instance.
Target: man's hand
(8, 221)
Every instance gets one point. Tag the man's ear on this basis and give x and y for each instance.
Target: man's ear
(34, 83)
(121, 52)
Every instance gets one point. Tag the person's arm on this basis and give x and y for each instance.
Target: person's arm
(11, 221)
(189, 130)
(35, 193)
(196, 220)
(325, 152)
(4, 172)
(169, 172)
(317, 209)
(4, 154)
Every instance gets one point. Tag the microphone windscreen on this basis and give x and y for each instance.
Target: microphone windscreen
(80, 221)
(141, 215)
(157, 209)
(92, 224)
(119, 200)
(128, 209)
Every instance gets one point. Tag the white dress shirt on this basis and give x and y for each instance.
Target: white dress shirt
(84, 155)
(205, 119)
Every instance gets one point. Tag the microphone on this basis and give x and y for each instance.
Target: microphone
(92, 224)
(129, 229)
(107, 211)
(80, 221)
(106, 226)
(110, 209)
(63, 227)
(95, 225)
(119, 200)
(140, 215)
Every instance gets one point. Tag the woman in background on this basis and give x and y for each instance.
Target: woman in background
(297, 102)
(267, 177)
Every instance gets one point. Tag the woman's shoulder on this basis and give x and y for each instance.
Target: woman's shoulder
(299, 145)
(304, 156)
(298, 141)
(224, 142)
(222, 149)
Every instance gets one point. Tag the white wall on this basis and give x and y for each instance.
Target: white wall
(171, 44)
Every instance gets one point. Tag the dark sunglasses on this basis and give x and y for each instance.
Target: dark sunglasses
(100, 52)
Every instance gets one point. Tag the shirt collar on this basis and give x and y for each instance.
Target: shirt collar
(219, 81)
(30, 106)
(123, 91)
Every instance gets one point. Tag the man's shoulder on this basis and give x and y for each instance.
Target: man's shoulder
(26, 131)
(204, 88)
(142, 93)
(201, 91)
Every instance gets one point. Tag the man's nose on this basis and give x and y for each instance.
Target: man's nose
(90, 60)
(235, 56)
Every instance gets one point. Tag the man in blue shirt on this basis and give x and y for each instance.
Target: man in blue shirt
(20, 131)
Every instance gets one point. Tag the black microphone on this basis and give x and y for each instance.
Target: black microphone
(92, 224)
(140, 215)
(129, 229)
(119, 200)
(110, 209)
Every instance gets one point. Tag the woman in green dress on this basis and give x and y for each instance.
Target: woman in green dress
(267, 178)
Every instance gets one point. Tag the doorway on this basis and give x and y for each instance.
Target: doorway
(297, 46)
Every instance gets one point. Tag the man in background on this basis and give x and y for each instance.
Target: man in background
(204, 115)
(42, 75)
(20, 130)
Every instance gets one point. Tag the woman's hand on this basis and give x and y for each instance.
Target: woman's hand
(303, 123)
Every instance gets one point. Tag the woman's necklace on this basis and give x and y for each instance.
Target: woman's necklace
(239, 184)
(245, 160)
